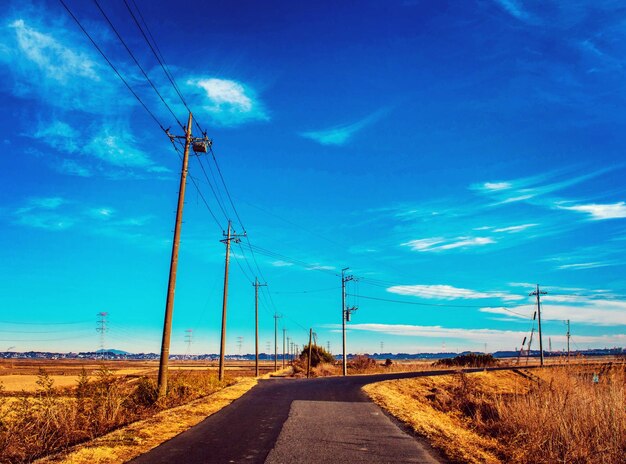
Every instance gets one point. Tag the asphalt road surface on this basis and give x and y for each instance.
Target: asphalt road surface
(324, 420)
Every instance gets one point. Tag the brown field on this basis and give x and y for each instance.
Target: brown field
(20, 375)
(538, 416)
(47, 406)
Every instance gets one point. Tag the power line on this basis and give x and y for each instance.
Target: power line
(315, 290)
(45, 323)
(442, 305)
(215, 194)
(137, 63)
(195, 184)
(112, 65)
(219, 171)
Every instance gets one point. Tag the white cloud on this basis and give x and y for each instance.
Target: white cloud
(281, 263)
(583, 265)
(448, 292)
(496, 185)
(340, 135)
(423, 244)
(57, 67)
(59, 135)
(514, 229)
(600, 211)
(320, 267)
(496, 339)
(463, 242)
(582, 310)
(439, 243)
(228, 102)
(118, 147)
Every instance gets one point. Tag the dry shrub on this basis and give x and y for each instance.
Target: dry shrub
(46, 422)
(325, 370)
(464, 396)
(362, 363)
(567, 418)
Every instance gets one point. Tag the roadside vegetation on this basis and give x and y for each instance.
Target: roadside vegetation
(34, 424)
(468, 360)
(573, 414)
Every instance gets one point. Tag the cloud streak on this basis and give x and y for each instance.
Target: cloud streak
(581, 310)
(599, 212)
(448, 292)
(442, 244)
(341, 135)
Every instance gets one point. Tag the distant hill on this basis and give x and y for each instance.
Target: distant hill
(114, 351)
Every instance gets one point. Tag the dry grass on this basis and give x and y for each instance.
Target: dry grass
(549, 416)
(129, 442)
(50, 417)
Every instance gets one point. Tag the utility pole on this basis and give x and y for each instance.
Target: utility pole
(284, 335)
(188, 340)
(538, 294)
(568, 337)
(200, 145)
(345, 315)
(308, 369)
(289, 349)
(239, 344)
(530, 342)
(328, 346)
(229, 236)
(256, 285)
(521, 349)
(276, 317)
(102, 329)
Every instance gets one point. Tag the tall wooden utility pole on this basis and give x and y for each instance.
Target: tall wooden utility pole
(171, 286)
(284, 335)
(538, 294)
(568, 337)
(345, 315)
(256, 285)
(229, 236)
(308, 369)
(276, 317)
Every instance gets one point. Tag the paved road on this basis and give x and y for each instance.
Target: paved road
(325, 420)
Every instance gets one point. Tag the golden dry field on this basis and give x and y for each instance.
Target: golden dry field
(548, 415)
(48, 406)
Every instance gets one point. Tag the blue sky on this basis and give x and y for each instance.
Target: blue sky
(452, 154)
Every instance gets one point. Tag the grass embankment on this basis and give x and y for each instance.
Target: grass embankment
(35, 425)
(542, 416)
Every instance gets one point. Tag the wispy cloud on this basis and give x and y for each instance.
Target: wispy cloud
(228, 102)
(43, 213)
(340, 135)
(53, 65)
(442, 244)
(108, 141)
(281, 263)
(599, 212)
(448, 292)
(579, 309)
(515, 229)
(514, 8)
(59, 214)
(534, 187)
(496, 185)
(497, 339)
(583, 265)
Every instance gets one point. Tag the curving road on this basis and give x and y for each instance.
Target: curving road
(324, 420)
